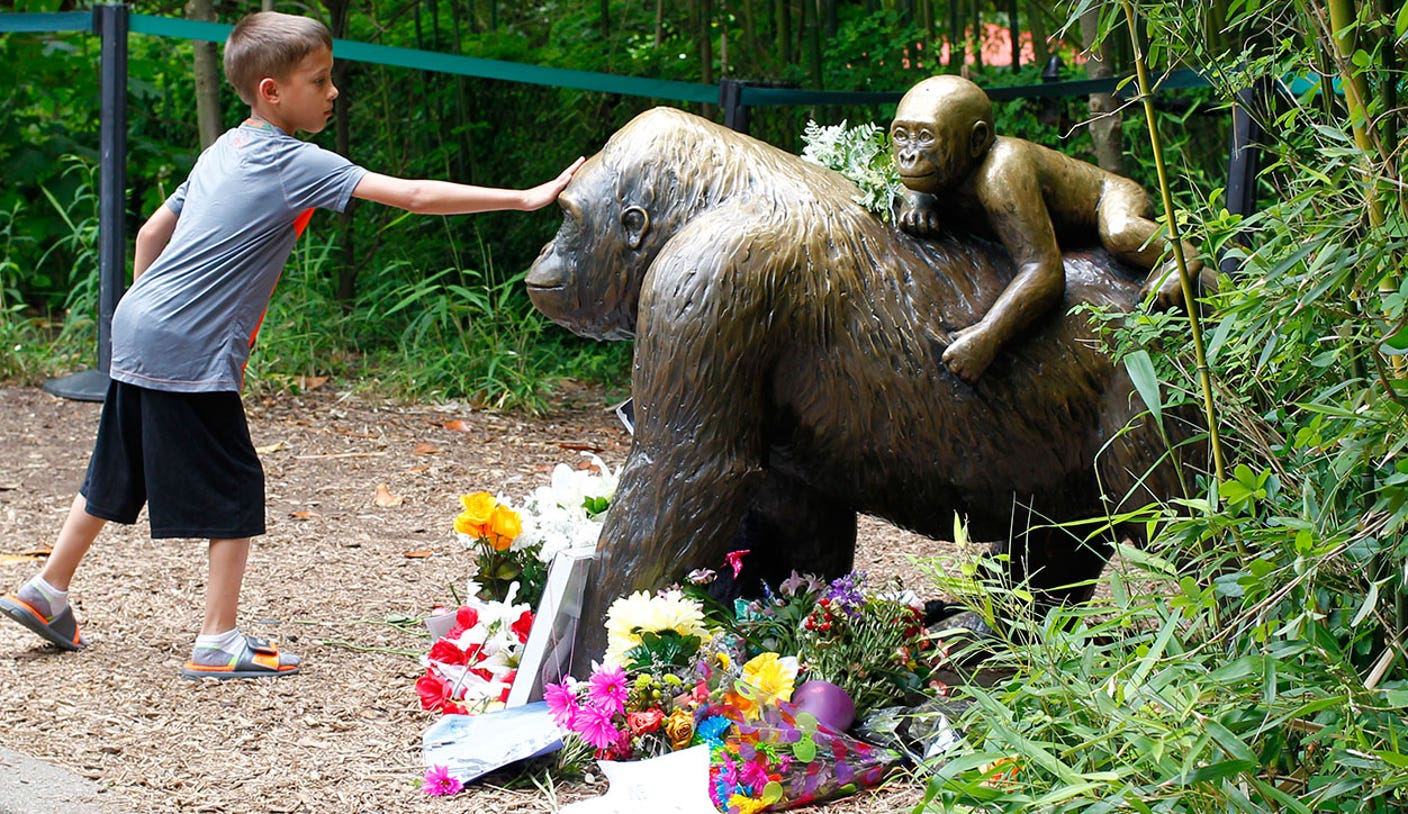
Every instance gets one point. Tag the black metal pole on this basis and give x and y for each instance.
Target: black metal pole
(112, 175)
(731, 100)
(110, 22)
(1243, 163)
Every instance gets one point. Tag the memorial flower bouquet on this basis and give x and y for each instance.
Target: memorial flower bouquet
(639, 702)
(516, 545)
(870, 642)
(471, 667)
(768, 753)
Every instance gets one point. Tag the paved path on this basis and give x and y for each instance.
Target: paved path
(31, 786)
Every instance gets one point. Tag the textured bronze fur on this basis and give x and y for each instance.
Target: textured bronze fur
(787, 370)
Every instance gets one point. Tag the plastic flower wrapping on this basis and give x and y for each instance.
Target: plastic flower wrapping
(768, 754)
(471, 668)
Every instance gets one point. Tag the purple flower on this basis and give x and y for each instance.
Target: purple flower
(562, 705)
(606, 690)
(595, 727)
(440, 783)
(845, 591)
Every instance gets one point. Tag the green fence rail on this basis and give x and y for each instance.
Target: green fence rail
(664, 89)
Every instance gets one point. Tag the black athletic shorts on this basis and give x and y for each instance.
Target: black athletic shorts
(188, 456)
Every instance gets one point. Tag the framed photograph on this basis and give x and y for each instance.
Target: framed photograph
(547, 655)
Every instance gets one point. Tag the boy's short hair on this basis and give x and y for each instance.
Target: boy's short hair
(270, 43)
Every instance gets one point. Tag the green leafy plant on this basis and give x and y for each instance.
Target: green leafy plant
(862, 154)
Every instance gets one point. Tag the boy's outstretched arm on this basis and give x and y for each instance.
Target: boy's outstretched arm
(445, 198)
(152, 238)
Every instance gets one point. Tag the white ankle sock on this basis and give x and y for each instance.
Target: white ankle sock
(53, 600)
(218, 648)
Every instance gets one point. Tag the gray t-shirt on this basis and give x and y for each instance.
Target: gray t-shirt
(188, 322)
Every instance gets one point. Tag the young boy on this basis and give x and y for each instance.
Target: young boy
(173, 433)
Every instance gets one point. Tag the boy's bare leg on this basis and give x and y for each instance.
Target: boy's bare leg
(221, 651)
(222, 592)
(76, 536)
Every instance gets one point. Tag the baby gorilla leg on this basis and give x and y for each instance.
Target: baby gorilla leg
(1128, 233)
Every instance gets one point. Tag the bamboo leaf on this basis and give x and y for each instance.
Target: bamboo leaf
(1146, 381)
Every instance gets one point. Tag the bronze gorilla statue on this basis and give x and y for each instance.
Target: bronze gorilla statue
(788, 372)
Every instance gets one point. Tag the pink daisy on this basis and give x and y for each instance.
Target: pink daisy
(606, 689)
(755, 773)
(595, 727)
(440, 783)
(562, 705)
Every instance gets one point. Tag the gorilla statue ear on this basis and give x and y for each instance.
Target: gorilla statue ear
(636, 222)
(980, 138)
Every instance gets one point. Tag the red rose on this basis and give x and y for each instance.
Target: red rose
(446, 652)
(467, 617)
(645, 721)
(434, 693)
(522, 626)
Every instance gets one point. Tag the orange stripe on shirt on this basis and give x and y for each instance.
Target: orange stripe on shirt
(300, 224)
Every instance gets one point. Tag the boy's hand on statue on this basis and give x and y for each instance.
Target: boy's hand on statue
(544, 194)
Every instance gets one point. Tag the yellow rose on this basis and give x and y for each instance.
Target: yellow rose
(679, 728)
(464, 524)
(478, 508)
(504, 526)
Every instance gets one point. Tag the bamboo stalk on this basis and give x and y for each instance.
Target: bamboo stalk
(1176, 243)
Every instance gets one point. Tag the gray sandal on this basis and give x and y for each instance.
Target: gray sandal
(61, 629)
(260, 660)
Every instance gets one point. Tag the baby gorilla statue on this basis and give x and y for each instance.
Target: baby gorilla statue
(1029, 197)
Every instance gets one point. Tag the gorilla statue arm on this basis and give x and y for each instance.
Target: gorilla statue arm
(703, 311)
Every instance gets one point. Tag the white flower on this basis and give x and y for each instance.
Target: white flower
(554, 516)
(628, 616)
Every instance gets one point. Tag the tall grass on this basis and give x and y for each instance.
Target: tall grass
(35, 343)
(455, 333)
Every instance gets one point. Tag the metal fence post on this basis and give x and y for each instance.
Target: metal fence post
(731, 100)
(110, 22)
(1243, 162)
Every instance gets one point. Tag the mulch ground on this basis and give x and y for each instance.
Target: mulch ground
(336, 566)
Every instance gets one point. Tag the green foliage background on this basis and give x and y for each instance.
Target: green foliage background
(463, 327)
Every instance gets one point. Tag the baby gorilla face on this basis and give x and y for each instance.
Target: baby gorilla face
(942, 129)
(930, 156)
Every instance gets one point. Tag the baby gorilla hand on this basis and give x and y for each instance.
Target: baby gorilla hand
(971, 352)
(918, 219)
